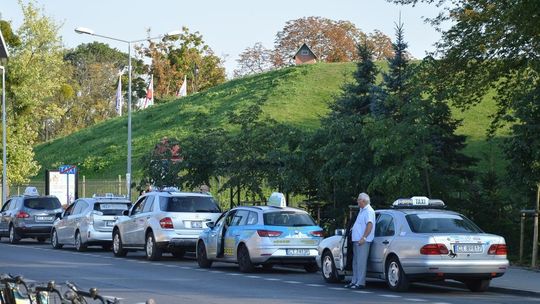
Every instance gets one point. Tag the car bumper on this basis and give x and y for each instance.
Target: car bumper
(34, 231)
(450, 269)
(99, 237)
(279, 256)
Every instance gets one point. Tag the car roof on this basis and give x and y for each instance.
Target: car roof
(175, 193)
(419, 211)
(266, 209)
(99, 199)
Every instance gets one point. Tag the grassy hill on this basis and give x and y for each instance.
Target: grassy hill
(298, 96)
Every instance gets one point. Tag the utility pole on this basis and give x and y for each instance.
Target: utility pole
(535, 229)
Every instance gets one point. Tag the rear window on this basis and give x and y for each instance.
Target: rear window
(288, 218)
(112, 208)
(42, 203)
(188, 204)
(441, 223)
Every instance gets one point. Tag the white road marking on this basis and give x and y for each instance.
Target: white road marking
(253, 277)
(315, 285)
(272, 279)
(362, 291)
(292, 282)
(415, 300)
(216, 271)
(390, 296)
(233, 274)
(337, 288)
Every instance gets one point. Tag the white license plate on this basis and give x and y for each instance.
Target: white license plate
(40, 218)
(468, 248)
(109, 223)
(196, 224)
(297, 251)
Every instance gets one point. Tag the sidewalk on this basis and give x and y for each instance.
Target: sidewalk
(518, 278)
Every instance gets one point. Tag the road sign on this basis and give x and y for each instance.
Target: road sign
(67, 169)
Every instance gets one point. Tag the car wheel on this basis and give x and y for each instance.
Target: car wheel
(41, 239)
(202, 258)
(118, 248)
(178, 253)
(54, 240)
(14, 237)
(329, 271)
(311, 268)
(477, 285)
(244, 261)
(153, 252)
(79, 245)
(395, 276)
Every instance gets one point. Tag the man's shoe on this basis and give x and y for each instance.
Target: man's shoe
(350, 285)
(357, 287)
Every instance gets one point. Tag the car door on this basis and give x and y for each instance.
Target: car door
(4, 218)
(79, 217)
(62, 225)
(130, 225)
(384, 235)
(233, 234)
(73, 221)
(214, 236)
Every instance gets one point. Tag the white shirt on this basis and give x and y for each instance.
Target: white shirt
(365, 215)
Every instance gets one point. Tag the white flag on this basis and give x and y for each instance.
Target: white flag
(183, 89)
(149, 100)
(119, 99)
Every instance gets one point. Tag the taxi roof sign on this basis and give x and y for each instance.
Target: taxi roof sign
(31, 191)
(277, 199)
(418, 202)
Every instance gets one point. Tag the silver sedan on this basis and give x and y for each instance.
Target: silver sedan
(420, 242)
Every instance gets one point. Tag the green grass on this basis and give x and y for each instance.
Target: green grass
(298, 96)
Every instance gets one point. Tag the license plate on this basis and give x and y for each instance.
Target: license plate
(468, 248)
(297, 251)
(40, 218)
(109, 223)
(196, 224)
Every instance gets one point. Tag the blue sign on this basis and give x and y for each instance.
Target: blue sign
(67, 169)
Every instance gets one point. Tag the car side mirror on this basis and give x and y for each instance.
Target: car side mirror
(60, 215)
(339, 232)
(211, 225)
(125, 212)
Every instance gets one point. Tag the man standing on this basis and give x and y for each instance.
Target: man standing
(362, 236)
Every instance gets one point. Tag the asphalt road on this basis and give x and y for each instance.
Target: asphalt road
(134, 280)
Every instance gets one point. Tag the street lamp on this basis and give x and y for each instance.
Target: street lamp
(3, 55)
(83, 30)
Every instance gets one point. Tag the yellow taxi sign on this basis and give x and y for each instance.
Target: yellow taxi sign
(277, 199)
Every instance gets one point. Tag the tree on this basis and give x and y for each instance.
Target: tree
(185, 55)
(380, 44)
(162, 165)
(34, 76)
(254, 60)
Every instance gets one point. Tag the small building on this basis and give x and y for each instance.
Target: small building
(304, 55)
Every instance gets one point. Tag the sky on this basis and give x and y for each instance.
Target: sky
(227, 26)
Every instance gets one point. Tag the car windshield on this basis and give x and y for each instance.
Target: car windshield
(188, 204)
(288, 218)
(42, 203)
(441, 223)
(112, 208)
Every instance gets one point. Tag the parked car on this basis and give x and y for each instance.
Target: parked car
(417, 240)
(261, 235)
(29, 216)
(164, 221)
(88, 222)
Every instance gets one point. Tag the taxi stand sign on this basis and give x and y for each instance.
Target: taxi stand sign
(418, 201)
(277, 199)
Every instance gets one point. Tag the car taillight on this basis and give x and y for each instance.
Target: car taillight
(498, 249)
(268, 233)
(166, 223)
(22, 214)
(317, 233)
(434, 249)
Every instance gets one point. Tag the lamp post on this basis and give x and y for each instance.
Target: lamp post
(82, 30)
(4, 54)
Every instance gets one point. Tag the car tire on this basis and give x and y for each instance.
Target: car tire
(328, 268)
(311, 267)
(54, 240)
(244, 261)
(14, 237)
(118, 248)
(202, 258)
(178, 253)
(41, 239)
(153, 252)
(477, 285)
(79, 245)
(396, 279)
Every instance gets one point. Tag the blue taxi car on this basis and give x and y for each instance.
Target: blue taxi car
(261, 235)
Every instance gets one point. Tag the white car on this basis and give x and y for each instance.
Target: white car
(164, 221)
(417, 240)
(88, 222)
